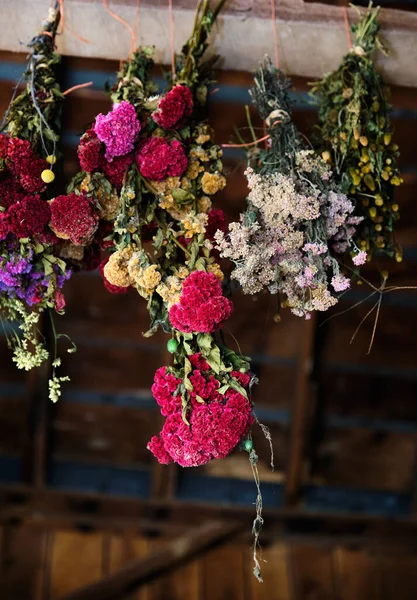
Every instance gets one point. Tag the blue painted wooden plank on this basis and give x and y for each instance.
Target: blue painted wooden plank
(10, 469)
(100, 478)
(198, 488)
(355, 500)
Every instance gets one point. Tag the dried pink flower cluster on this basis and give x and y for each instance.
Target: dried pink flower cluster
(218, 422)
(287, 240)
(118, 129)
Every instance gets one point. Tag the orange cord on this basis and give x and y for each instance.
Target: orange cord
(125, 23)
(135, 26)
(171, 37)
(262, 139)
(347, 27)
(77, 87)
(63, 25)
(274, 28)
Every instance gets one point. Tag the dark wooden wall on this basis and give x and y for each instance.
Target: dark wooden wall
(344, 424)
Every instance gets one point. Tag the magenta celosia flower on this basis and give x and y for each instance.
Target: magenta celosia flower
(163, 389)
(174, 108)
(215, 429)
(157, 159)
(359, 259)
(118, 130)
(202, 306)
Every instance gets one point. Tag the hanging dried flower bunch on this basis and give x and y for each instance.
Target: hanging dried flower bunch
(355, 138)
(32, 274)
(150, 170)
(298, 223)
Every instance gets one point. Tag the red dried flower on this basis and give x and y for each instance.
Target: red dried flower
(148, 231)
(243, 378)
(59, 300)
(202, 306)
(25, 165)
(164, 386)
(28, 217)
(174, 108)
(90, 152)
(4, 226)
(115, 170)
(10, 191)
(4, 143)
(30, 175)
(198, 362)
(216, 221)
(73, 216)
(113, 289)
(156, 446)
(157, 159)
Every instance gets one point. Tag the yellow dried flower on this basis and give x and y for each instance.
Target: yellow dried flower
(116, 270)
(204, 204)
(363, 140)
(216, 270)
(150, 278)
(193, 169)
(194, 224)
(108, 205)
(212, 183)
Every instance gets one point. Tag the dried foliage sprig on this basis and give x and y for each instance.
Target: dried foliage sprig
(298, 223)
(355, 137)
(32, 272)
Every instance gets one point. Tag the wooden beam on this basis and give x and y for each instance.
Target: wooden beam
(193, 543)
(63, 509)
(306, 32)
(300, 415)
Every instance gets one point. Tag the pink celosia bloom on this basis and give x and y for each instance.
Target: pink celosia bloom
(359, 259)
(215, 430)
(202, 306)
(118, 130)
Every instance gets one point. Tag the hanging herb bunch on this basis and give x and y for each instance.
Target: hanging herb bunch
(355, 138)
(298, 223)
(150, 170)
(32, 274)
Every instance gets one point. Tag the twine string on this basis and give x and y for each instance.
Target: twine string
(347, 26)
(77, 87)
(121, 20)
(171, 37)
(275, 33)
(64, 25)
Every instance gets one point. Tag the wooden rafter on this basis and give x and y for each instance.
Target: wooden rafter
(193, 543)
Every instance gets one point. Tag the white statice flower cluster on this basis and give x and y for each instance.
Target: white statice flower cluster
(288, 240)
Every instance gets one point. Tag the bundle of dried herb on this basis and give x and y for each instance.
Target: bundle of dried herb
(298, 223)
(32, 273)
(355, 137)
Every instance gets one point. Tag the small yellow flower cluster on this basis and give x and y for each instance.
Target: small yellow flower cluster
(170, 289)
(216, 270)
(194, 224)
(212, 183)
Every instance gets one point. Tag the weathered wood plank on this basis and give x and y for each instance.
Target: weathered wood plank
(76, 561)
